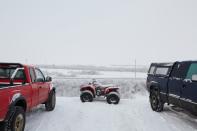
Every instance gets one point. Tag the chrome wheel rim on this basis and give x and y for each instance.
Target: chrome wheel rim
(19, 123)
(154, 102)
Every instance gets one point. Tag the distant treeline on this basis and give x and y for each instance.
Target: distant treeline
(97, 68)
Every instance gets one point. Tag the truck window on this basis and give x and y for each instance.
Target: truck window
(32, 75)
(162, 71)
(20, 75)
(6, 72)
(180, 70)
(39, 76)
(151, 70)
(192, 71)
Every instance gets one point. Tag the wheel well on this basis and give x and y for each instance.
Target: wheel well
(91, 92)
(21, 103)
(111, 90)
(114, 93)
(89, 89)
(153, 88)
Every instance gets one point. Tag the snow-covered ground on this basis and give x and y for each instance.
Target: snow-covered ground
(130, 115)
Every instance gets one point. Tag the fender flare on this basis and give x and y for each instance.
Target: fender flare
(89, 88)
(18, 98)
(114, 93)
(87, 91)
(154, 86)
(108, 90)
(15, 101)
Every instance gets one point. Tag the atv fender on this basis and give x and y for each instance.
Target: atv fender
(86, 91)
(92, 90)
(114, 93)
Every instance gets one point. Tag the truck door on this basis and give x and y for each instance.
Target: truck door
(162, 72)
(35, 89)
(189, 89)
(42, 85)
(175, 82)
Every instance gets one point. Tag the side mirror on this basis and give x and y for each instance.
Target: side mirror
(194, 77)
(48, 79)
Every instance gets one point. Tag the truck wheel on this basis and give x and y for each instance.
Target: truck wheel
(51, 102)
(2, 126)
(156, 102)
(113, 98)
(16, 122)
(86, 96)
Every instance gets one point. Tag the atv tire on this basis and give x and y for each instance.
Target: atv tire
(113, 98)
(51, 102)
(86, 96)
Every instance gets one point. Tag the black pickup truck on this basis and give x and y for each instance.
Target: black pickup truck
(173, 83)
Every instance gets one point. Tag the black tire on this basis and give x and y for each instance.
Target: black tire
(86, 96)
(51, 102)
(156, 102)
(2, 126)
(16, 120)
(113, 98)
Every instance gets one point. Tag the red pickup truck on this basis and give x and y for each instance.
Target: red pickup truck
(22, 87)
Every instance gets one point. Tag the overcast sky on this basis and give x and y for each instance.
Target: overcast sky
(100, 32)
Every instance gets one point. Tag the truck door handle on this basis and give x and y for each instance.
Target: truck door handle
(40, 86)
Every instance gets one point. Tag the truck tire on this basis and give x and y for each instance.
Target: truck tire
(16, 120)
(51, 102)
(156, 102)
(113, 98)
(86, 96)
(2, 126)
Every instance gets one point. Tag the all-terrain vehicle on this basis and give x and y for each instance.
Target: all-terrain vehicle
(94, 89)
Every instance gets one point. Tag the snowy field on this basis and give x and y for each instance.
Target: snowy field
(69, 73)
(130, 115)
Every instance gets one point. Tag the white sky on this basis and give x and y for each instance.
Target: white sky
(100, 32)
